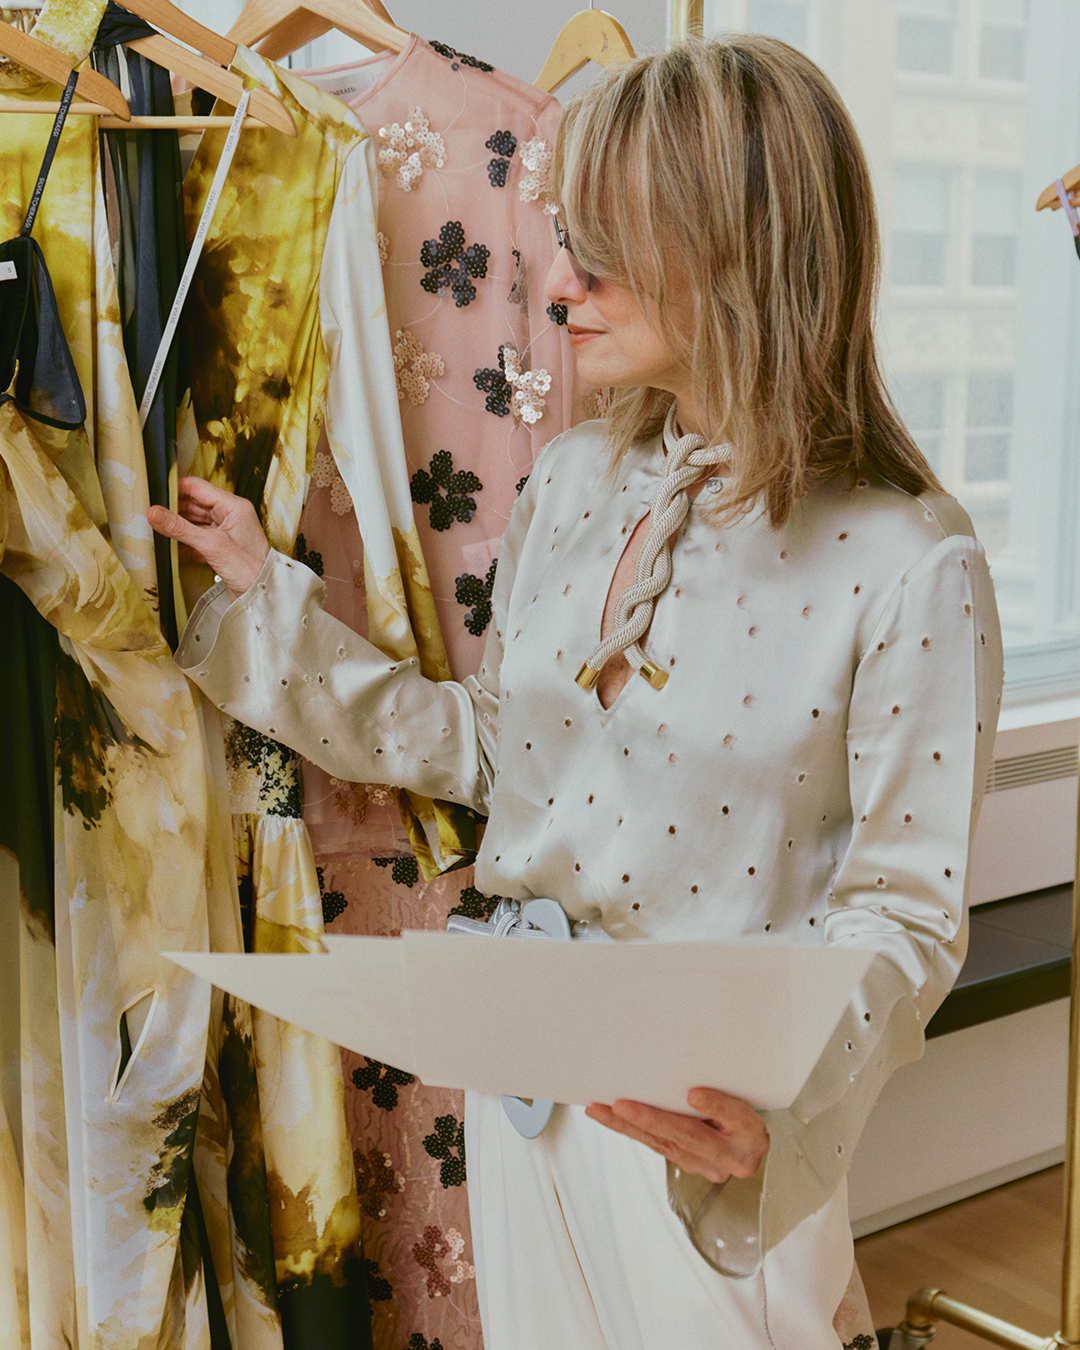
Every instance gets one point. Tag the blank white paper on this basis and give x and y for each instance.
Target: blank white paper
(564, 1021)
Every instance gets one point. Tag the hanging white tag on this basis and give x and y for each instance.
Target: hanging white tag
(193, 257)
(7, 271)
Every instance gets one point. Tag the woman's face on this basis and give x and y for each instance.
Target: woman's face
(615, 342)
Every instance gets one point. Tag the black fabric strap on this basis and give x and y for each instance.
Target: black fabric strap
(120, 25)
(50, 151)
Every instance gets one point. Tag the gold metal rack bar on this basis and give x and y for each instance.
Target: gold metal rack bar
(930, 1306)
(687, 16)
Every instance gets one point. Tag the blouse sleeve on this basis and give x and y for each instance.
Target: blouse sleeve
(921, 725)
(275, 660)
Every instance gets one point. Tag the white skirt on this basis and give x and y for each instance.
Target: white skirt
(576, 1248)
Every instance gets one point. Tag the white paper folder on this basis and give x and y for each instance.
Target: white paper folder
(565, 1021)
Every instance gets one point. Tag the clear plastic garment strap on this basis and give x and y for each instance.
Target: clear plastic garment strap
(193, 257)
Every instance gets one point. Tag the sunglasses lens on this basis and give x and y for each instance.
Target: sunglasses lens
(583, 277)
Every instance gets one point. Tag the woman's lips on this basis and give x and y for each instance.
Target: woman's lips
(579, 335)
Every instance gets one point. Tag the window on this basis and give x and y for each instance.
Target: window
(920, 401)
(921, 212)
(785, 19)
(1002, 40)
(926, 36)
(989, 427)
(995, 227)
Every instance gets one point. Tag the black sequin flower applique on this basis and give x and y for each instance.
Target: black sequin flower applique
(454, 57)
(449, 1136)
(403, 869)
(557, 314)
(378, 1286)
(520, 484)
(383, 1081)
(859, 1343)
(272, 769)
(309, 559)
(333, 902)
(470, 590)
(498, 388)
(452, 265)
(504, 143)
(458, 504)
(475, 904)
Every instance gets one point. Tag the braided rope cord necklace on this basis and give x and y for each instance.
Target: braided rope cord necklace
(687, 456)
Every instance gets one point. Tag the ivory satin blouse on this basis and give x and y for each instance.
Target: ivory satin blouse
(811, 772)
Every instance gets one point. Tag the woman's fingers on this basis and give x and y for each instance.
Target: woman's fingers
(604, 1115)
(731, 1143)
(708, 1167)
(220, 528)
(166, 522)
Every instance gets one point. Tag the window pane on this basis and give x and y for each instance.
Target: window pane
(1009, 11)
(990, 401)
(993, 260)
(921, 197)
(920, 401)
(924, 45)
(785, 19)
(946, 8)
(1001, 52)
(989, 421)
(918, 259)
(996, 201)
(921, 213)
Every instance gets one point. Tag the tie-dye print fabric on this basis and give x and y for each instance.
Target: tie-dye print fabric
(101, 1233)
(289, 310)
(290, 331)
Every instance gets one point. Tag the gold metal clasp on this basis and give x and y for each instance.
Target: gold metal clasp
(586, 676)
(650, 671)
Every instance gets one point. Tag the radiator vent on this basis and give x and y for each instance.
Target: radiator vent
(1041, 767)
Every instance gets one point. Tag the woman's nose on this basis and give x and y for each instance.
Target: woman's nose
(563, 287)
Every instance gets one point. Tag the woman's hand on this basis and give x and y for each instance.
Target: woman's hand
(222, 529)
(730, 1143)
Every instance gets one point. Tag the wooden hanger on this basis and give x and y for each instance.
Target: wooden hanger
(281, 26)
(1048, 196)
(175, 23)
(264, 108)
(225, 84)
(591, 35)
(54, 66)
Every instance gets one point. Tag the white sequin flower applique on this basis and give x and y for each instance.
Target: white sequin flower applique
(529, 386)
(324, 474)
(410, 149)
(537, 157)
(414, 367)
(384, 246)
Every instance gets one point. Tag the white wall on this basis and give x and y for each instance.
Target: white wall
(513, 35)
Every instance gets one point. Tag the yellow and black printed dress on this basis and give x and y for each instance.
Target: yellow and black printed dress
(106, 858)
(290, 343)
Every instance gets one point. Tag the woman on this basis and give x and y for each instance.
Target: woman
(805, 756)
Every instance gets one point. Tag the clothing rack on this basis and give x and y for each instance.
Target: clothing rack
(928, 1306)
(108, 122)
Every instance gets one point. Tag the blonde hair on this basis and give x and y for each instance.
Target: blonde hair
(729, 172)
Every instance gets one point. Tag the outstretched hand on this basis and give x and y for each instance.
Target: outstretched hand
(731, 1142)
(221, 529)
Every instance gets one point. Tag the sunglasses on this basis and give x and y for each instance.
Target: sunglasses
(584, 278)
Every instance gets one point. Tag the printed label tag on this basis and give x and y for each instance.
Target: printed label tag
(7, 271)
